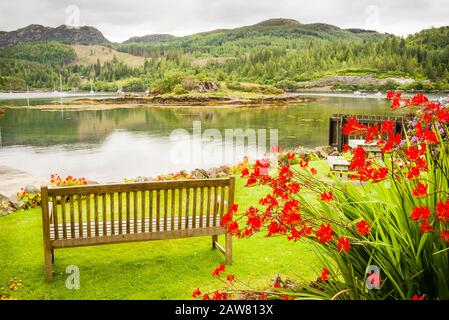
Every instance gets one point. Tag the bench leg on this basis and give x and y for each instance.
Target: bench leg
(48, 257)
(214, 238)
(228, 248)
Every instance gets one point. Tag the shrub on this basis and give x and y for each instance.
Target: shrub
(56, 180)
(30, 200)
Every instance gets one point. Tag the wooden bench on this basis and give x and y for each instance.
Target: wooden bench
(117, 213)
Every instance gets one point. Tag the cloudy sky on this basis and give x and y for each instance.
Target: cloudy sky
(119, 20)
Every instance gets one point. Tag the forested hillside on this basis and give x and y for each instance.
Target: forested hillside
(277, 52)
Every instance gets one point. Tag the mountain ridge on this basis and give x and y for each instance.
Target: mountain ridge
(63, 33)
(91, 35)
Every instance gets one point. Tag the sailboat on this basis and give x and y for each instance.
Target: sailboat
(28, 97)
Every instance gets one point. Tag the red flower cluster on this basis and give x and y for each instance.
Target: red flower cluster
(363, 228)
(230, 278)
(324, 275)
(423, 215)
(420, 214)
(327, 196)
(196, 293)
(442, 210)
(219, 270)
(364, 168)
(325, 234)
(344, 245)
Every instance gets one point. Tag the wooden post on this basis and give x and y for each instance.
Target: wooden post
(46, 234)
(228, 248)
(214, 238)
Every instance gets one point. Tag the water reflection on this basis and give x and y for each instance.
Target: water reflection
(112, 144)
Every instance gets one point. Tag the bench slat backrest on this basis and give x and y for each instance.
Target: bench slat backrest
(131, 208)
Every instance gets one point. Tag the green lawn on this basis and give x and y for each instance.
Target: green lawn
(168, 269)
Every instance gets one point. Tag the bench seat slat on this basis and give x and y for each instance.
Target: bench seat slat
(147, 236)
(58, 231)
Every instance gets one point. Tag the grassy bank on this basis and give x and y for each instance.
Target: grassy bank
(168, 269)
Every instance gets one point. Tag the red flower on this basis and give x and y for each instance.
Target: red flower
(230, 278)
(413, 173)
(420, 213)
(430, 137)
(303, 163)
(416, 297)
(275, 228)
(412, 153)
(206, 297)
(425, 227)
(293, 188)
(327, 196)
(352, 126)
(343, 244)
(443, 115)
(358, 160)
(391, 94)
(245, 172)
(363, 228)
(226, 220)
(345, 148)
(296, 235)
(218, 271)
(196, 293)
(324, 275)
(269, 201)
(421, 190)
(325, 233)
(444, 236)
(419, 99)
(220, 296)
(313, 171)
(387, 127)
(275, 149)
(291, 156)
(442, 209)
(254, 221)
(233, 228)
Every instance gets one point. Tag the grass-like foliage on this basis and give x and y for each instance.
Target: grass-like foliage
(383, 235)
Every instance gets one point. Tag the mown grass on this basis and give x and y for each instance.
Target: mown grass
(168, 269)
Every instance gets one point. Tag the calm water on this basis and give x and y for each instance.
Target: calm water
(110, 145)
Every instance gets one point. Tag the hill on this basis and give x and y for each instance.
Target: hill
(271, 32)
(35, 32)
(149, 38)
(92, 54)
(278, 52)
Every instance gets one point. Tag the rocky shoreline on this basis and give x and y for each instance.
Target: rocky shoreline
(12, 180)
(198, 100)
